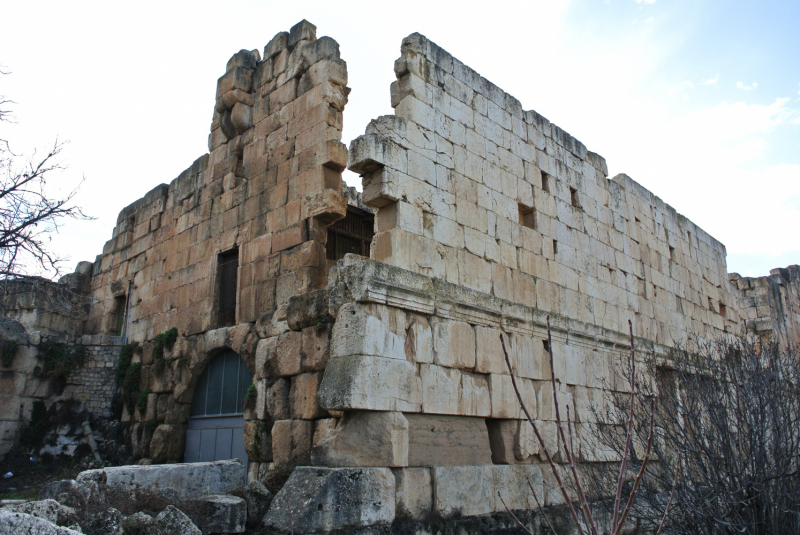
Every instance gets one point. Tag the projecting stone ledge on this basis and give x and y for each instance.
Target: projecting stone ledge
(317, 500)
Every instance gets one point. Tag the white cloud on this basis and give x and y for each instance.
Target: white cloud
(710, 81)
(740, 85)
(679, 88)
(645, 1)
(648, 21)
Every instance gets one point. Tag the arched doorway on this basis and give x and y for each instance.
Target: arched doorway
(215, 429)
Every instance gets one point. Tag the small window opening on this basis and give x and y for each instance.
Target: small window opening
(227, 272)
(353, 234)
(545, 182)
(573, 195)
(671, 254)
(527, 216)
(555, 247)
(546, 346)
(120, 304)
(239, 170)
(678, 304)
(723, 310)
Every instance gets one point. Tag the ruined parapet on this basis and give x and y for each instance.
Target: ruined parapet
(264, 194)
(770, 306)
(472, 189)
(47, 306)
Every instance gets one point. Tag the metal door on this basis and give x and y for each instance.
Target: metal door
(215, 429)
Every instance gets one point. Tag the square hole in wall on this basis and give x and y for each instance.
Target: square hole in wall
(723, 310)
(671, 254)
(546, 346)
(573, 197)
(545, 182)
(527, 216)
(555, 247)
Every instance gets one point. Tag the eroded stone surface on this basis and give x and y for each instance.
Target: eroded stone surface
(318, 499)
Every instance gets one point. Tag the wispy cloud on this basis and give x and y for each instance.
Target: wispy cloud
(648, 21)
(743, 87)
(710, 81)
(645, 1)
(679, 88)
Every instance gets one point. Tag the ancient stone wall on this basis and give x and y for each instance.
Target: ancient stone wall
(266, 190)
(476, 191)
(770, 306)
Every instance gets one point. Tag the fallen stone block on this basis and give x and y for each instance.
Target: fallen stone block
(21, 523)
(258, 499)
(321, 499)
(219, 514)
(49, 510)
(139, 524)
(66, 492)
(128, 488)
(173, 521)
(108, 522)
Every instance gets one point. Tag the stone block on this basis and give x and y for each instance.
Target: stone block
(258, 440)
(489, 351)
(219, 514)
(167, 442)
(302, 31)
(511, 482)
(287, 356)
(413, 493)
(440, 389)
(315, 347)
(307, 310)
(358, 333)
(322, 499)
(303, 396)
(370, 383)
(371, 152)
(419, 341)
(462, 490)
(277, 400)
(173, 520)
(505, 403)
(365, 438)
(438, 440)
(23, 523)
(474, 396)
(291, 442)
(289, 236)
(453, 344)
(134, 487)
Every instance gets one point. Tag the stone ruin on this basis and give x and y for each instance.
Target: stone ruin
(351, 341)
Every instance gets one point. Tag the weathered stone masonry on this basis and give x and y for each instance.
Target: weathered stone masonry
(488, 219)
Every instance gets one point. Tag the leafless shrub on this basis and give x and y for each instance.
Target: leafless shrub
(587, 521)
(731, 409)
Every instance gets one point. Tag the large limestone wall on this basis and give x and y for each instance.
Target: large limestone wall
(476, 191)
(269, 185)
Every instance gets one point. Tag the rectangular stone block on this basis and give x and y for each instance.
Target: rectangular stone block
(315, 347)
(438, 440)
(490, 357)
(291, 441)
(511, 482)
(464, 490)
(303, 396)
(358, 333)
(453, 344)
(371, 383)
(413, 493)
(365, 438)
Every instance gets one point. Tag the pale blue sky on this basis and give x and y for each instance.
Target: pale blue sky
(699, 101)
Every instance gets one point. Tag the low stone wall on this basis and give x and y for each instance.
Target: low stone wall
(91, 382)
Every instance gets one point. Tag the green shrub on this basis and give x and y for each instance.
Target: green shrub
(60, 358)
(142, 403)
(8, 350)
(162, 341)
(251, 392)
(130, 385)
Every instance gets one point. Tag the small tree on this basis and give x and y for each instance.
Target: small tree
(732, 408)
(29, 212)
